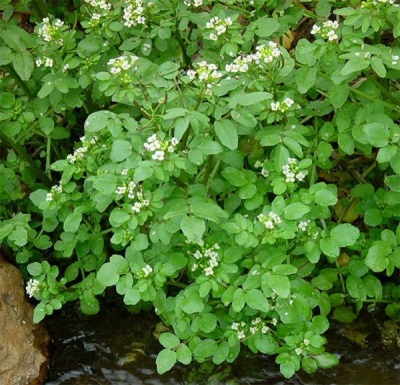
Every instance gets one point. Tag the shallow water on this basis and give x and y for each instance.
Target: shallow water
(118, 348)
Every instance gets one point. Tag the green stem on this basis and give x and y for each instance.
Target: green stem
(48, 156)
(19, 81)
(24, 156)
(212, 175)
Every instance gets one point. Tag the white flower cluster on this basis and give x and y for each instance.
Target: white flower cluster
(101, 9)
(282, 107)
(133, 190)
(57, 189)
(133, 13)
(194, 3)
(121, 63)
(395, 59)
(206, 259)
(254, 327)
(270, 220)
(51, 32)
(159, 148)
(303, 346)
(327, 31)
(291, 171)
(145, 272)
(32, 287)
(265, 53)
(218, 26)
(205, 73)
(46, 61)
(79, 153)
(101, 4)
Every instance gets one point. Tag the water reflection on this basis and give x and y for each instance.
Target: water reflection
(118, 348)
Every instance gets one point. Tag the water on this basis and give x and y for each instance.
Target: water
(118, 348)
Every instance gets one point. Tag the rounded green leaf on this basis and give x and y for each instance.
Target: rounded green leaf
(166, 359)
(108, 274)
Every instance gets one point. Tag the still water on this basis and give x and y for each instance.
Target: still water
(118, 348)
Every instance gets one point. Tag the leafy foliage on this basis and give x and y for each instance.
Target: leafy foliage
(234, 167)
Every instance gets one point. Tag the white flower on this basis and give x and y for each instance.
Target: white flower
(306, 342)
(49, 62)
(235, 326)
(289, 102)
(147, 270)
(39, 62)
(298, 351)
(300, 176)
(241, 334)
(158, 155)
(208, 271)
(213, 37)
(32, 287)
(395, 59)
(315, 29)
(264, 329)
(49, 197)
(275, 106)
(303, 225)
(137, 207)
(264, 173)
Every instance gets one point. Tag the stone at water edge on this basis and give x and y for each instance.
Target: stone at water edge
(24, 345)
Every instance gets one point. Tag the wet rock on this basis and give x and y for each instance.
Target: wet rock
(24, 357)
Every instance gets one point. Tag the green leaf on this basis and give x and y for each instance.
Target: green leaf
(377, 134)
(184, 354)
(205, 348)
(234, 176)
(221, 353)
(226, 133)
(257, 300)
(73, 221)
(345, 235)
(132, 296)
(378, 66)
(296, 210)
(23, 64)
(284, 269)
(354, 65)
(329, 247)
(319, 324)
(305, 78)
(326, 196)
(338, 94)
(98, 121)
(326, 360)
(287, 369)
(238, 300)
(169, 340)
(165, 360)
(266, 26)
(118, 217)
(193, 228)
(280, 284)
(192, 304)
(108, 274)
(120, 150)
(377, 258)
(208, 322)
(248, 99)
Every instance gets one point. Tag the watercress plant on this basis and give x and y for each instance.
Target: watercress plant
(236, 167)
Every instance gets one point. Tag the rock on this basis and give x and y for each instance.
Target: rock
(24, 345)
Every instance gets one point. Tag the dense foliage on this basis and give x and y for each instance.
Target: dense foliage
(234, 165)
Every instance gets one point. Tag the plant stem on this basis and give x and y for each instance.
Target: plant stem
(19, 81)
(48, 156)
(24, 156)
(214, 171)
